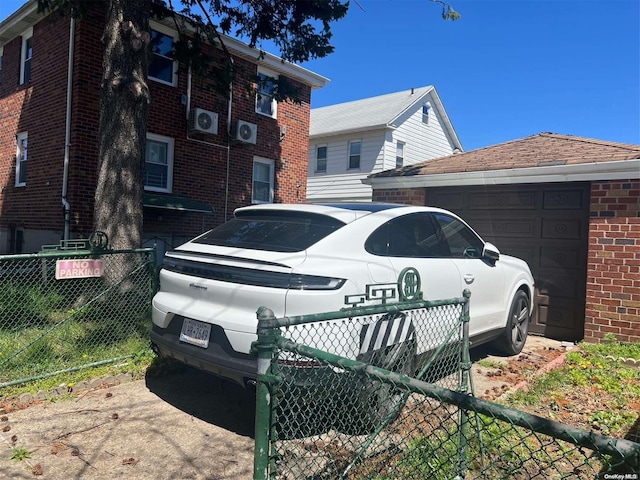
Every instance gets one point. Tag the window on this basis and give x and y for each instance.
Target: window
(399, 154)
(262, 180)
(26, 56)
(265, 101)
(158, 166)
(1, 55)
(354, 154)
(162, 64)
(414, 235)
(276, 231)
(461, 240)
(21, 160)
(425, 112)
(321, 159)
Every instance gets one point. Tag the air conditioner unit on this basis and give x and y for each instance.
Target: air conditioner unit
(203, 121)
(246, 132)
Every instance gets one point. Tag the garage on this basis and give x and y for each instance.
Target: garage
(545, 225)
(569, 206)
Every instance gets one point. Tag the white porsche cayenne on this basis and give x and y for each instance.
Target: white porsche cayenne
(303, 259)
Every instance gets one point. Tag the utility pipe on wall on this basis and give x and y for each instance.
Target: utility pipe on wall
(67, 133)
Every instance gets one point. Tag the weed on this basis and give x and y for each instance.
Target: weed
(20, 454)
(489, 363)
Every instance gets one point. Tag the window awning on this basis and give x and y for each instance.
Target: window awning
(172, 202)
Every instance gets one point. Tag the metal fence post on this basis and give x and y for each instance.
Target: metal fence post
(264, 347)
(465, 368)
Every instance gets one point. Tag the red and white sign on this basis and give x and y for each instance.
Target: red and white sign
(85, 268)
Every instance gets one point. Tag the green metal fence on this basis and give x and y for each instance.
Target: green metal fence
(71, 307)
(343, 395)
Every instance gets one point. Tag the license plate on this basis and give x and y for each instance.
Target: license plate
(195, 333)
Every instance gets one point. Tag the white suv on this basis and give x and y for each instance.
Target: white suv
(302, 259)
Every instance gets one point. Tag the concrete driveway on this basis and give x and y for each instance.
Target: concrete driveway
(182, 426)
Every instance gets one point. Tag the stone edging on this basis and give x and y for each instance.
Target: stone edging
(556, 362)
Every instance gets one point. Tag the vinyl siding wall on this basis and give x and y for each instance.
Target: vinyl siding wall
(340, 183)
(422, 141)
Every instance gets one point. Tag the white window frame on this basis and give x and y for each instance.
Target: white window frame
(426, 112)
(170, 33)
(21, 158)
(26, 36)
(271, 164)
(400, 146)
(318, 158)
(349, 155)
(274, 103)
(170, 142)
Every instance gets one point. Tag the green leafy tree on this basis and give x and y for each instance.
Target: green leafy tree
(299, 29)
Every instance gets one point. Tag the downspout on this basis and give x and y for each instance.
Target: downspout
(226, 193)
(67, 133)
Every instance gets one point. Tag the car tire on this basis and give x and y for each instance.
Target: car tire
(512, 340)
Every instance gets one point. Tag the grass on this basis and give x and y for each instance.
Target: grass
(490, 363)
(69, 326)
(595, 389)
(20, 454)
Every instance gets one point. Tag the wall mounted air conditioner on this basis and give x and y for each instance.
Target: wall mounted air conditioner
(203, 121)
(246, 132)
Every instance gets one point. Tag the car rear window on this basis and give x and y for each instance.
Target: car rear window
(273, 231)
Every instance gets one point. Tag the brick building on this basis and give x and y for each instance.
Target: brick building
(569, 206)
(207, 153)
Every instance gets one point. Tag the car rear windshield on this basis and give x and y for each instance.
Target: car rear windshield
(273, 231)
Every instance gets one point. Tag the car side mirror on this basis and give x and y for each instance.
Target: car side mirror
(490, 252)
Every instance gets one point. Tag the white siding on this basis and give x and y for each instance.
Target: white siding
(422, 141)
(339, 182)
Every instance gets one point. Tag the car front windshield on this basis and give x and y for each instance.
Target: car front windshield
(272, 231)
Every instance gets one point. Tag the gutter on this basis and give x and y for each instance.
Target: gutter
(617, 170)
(67, 133)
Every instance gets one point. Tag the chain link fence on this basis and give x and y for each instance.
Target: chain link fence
(63, 310)
(385, 393)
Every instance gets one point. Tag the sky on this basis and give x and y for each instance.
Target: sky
(507, 69)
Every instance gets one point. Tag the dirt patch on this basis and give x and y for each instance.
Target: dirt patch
(495, 376)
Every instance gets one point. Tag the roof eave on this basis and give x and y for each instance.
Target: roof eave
(274, 62)
(19, 21)
(618, 170)
(447, 121)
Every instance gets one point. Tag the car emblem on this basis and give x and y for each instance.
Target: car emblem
(195, 285)
(409, 285)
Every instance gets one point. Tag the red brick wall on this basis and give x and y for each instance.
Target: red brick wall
(613, 272)
(202, 163)
(407, 196)
(37, 107)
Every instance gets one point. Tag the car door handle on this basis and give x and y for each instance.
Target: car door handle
(469, 278)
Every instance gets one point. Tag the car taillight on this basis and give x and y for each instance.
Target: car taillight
(313, 282)
(250, 276)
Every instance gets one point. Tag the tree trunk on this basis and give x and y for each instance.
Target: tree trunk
(124, 110)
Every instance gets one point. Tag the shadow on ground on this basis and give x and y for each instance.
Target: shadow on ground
(207, 398)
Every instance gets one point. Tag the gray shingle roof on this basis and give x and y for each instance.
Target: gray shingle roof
(365, 114)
